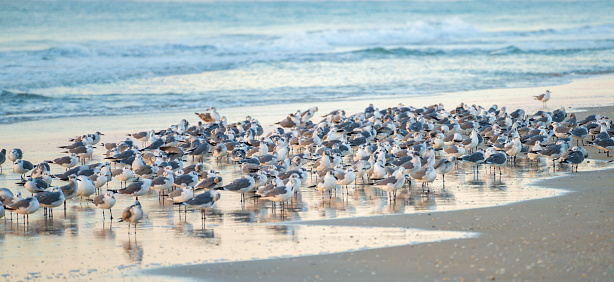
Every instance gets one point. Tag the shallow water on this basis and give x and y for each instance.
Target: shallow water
(79, 243)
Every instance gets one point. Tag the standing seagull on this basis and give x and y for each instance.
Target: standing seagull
(543, 97)
(444, 165)
(181, 195)
(22, 167)
(26, 206)
(51, 199)
(123, 175)
(132, 214)
(85, 186)
(204, 201)
(105, 202)
(574, 158)
(425, 175)
(136, 189)
(498, 160)
(66, 161)
(241, 185)
(70, 190)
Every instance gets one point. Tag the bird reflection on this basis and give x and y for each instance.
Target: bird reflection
(104, 233)
(424, 202)
(133, 251)
(244, 216)
(183, 227)
(498, 185)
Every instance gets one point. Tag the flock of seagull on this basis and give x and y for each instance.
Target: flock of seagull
(386, 148)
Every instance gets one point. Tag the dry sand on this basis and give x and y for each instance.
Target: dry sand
(566, 238)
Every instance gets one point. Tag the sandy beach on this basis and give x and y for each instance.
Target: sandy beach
(566, 237)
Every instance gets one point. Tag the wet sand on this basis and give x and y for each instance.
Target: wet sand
(564, 238)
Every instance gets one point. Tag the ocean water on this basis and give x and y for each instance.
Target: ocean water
(73, 58)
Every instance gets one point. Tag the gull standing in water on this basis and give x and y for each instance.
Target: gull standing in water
(105, 201)
(136, 189)
(497, 159)
(86, 186)
(241, 185)
(425, 174)
(204, 200)
(25, 206)
(181, 195)
(51, 199)
(132, 214)
(574, 157)
(22, 167)
(444, 165)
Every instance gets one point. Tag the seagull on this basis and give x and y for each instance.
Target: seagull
(555, 151)
(209, 183)
(579, 133)
(105, 201)
(25, 206)
(85, 186)
(497, 159)
(181, 195)
(123, 175)
(146, 171)
(574, 158)
(83, 152)
(70, 190)
(163, 183)
(425, 174)
(51, 199)
(35, 185)
(209, 117)
(132, 214)
(543, 97)
(190, 179)
(67, 161)
(22, 167)
(327, 183)
(204, 200)
(241, 185)
(136, 189)
(5, 193)
(606, 144)
(15, 154)
(444, 165)
(281, 193)
(476, 158)
(393, 183)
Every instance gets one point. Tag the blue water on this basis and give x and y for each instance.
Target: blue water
(67, 58)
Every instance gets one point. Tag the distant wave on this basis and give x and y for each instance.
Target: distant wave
(13, 97)
(444, 32)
